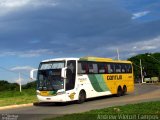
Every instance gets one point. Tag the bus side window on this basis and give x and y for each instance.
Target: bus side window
(101, 68)
(117, 68)
(95, 68)
(82, 68)
(129, 68)
(106, 68)
(110, 68)
(90, 67)
(123, 68)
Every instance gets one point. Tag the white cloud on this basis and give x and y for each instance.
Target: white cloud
(150, 44)
(22, 68)
(30, 53)
(13, 3)
(7, 6)
(130, 49)
(24, 73)
(140, 14)
(20, 3)
(148, 47)
(34, 41)
(145, 45)
(36, 53)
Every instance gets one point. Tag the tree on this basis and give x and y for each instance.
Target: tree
(150, 64)
(31, 85)
(5, 85)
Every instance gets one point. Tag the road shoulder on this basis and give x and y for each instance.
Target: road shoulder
(16, 106)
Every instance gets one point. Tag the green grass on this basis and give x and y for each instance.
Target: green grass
(136, 111)
(16, 97)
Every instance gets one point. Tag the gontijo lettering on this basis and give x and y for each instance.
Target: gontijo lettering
(114, 77)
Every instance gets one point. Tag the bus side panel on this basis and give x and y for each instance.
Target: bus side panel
(115, 80)
(93, 84)
(130, 81)
(98, 82)
(104, 84)
(110, 83)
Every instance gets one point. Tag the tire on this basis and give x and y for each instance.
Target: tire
(124, 90)
(119, 92)
(58, 103)
(82, 97)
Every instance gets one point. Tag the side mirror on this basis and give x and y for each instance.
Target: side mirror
(32, 74)
(63, 72)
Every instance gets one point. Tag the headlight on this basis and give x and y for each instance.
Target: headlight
(60, 93)
(38, 93)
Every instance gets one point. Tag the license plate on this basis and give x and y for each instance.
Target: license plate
(44, 93)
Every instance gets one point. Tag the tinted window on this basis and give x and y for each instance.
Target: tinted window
(123, 68)
(102, 68)
(82, 68)
(110, 67)
(117, 68)
(95, 68)
(128, 68)
(92, 67)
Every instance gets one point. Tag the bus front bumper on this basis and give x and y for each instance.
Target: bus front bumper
(57, 98)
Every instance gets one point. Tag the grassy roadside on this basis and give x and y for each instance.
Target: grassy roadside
(147, 110)
(15, 97)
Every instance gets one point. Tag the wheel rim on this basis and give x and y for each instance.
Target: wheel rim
(119, 92)
(124, 90)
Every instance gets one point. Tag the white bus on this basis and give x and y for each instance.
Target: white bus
(76, 79)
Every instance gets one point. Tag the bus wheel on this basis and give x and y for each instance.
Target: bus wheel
(119, 91)
(124, 90)
(82, 97)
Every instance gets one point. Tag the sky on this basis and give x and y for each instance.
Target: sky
(35, 30)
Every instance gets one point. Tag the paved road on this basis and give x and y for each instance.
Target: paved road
(142, 93)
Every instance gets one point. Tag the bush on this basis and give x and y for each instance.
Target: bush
(8, 86)
(30, 85)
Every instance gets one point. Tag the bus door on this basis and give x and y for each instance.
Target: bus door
(70, 74)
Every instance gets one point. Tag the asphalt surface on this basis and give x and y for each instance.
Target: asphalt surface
(142, 93)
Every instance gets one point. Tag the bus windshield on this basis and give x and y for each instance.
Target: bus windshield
(50, 80)
(49, 76)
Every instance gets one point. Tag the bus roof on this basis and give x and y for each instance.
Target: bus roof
(60, 59)
(95, 59)
(88, 58)
(99, 59)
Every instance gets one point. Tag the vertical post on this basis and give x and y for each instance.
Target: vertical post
(20, 86)
(117, 54)
(141, 71)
